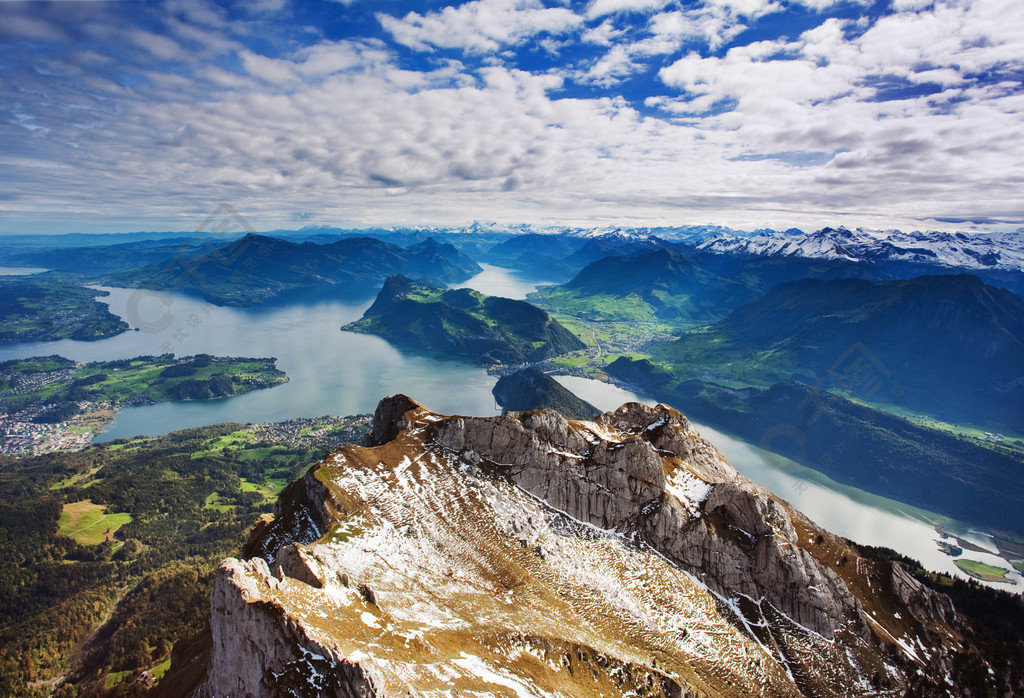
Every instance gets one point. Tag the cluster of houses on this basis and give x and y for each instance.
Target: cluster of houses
(22, 438)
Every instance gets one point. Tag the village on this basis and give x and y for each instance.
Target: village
(23, 437)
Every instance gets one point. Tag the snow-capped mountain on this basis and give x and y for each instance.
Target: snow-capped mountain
(956, 250)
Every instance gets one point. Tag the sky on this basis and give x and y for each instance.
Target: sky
(132, 115)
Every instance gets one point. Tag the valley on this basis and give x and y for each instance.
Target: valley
(512, 348)
(664, 344)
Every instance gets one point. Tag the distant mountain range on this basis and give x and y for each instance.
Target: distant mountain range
(678, 285)
(256, 268)
(464, 322)
(102, 258)
(955, 250)
(560, 257)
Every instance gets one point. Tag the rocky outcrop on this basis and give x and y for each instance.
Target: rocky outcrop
(258, 650)
(530, 554)
(389, 419)
(745, 543)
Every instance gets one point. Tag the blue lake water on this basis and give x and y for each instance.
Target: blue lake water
(335, 372)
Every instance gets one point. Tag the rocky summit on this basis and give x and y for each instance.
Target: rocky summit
(530, 555)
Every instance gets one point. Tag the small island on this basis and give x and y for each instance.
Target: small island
(42, 310)
(51, 403)
(464, 322)
(982, 571)
(532, 389)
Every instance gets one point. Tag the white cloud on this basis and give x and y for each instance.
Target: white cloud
(602, 35)
(600, 8)
(821, 5)
(713, 24)
(21, 26)
(160, 46)
(327, 58)
(342, 128)
(269, 69)
(904, 5)
(481, 26)
(751, 9)
(258, 7)
(667, 33)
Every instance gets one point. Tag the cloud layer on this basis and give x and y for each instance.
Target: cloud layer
(741, 112)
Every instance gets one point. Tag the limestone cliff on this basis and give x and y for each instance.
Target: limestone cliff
(528, 555)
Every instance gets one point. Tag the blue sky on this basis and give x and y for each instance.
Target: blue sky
(749, 113)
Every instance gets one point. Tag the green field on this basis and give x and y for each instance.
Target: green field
(598, 307)
(213, 502)
(234, 441)
(112, 679)
(136, 551)
(270, 488)
(81, 479)
(160, 669)
(980, 570)
(88, 523)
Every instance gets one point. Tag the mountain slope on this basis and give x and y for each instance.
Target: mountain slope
(950, 346)
(528, 555)
(680, 287)
(536, 254)
(464, 322)
(256, 268)
(660, 286)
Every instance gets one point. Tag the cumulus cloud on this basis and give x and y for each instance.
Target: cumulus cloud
(600, 8)
(482, 26)
(854, 98)
(917, 114)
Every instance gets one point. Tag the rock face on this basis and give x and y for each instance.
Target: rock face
(531, 555)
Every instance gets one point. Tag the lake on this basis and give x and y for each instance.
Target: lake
(342, 373)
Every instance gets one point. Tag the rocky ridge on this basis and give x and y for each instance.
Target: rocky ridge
(530, 555)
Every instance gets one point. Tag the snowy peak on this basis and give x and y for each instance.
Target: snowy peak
(530, 555)
(954, 250)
